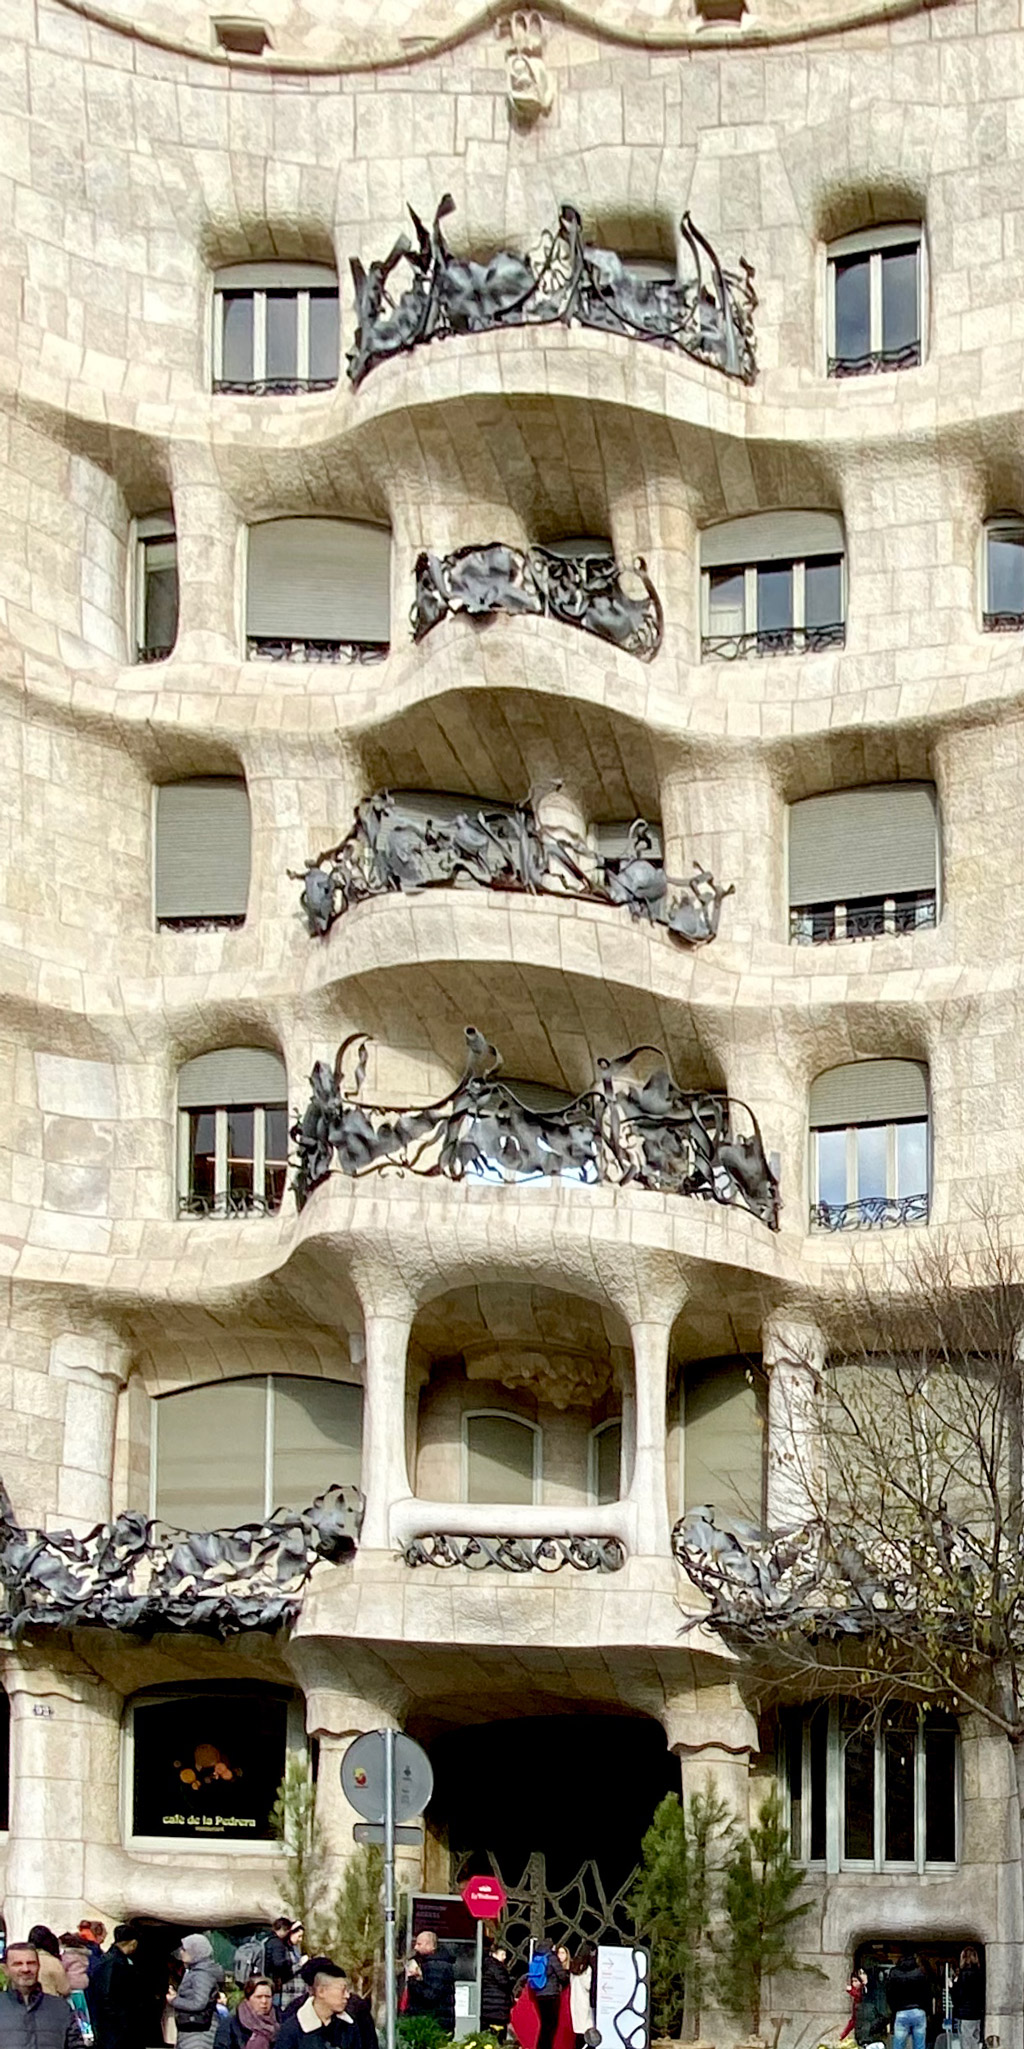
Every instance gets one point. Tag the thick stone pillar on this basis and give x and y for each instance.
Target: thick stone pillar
(336, 1717)
(731, 820)
(385, 1471)
(94, 1372)
(649, 1489)
(64, 1763)
(714, 1738)
(794, 1356)
(211, 599)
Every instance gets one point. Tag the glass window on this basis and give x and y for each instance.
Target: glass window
(831, 1166)
(900, 318)
(818, 1780)
(282, 335)
(912, 1158)
(5, 1761)
(207, 1765)
(875, 302)
(889, 1786)
(323, 336)
(1005, 592)
(858, 1789)
(882, 1167)
(852, 285)
(940, 1790)
(237, 337)
(872, 1142)
(278, 331)
(723, 1444)
(606, 1452)
(275, 1124)
(318, 1429)
(237, 1160)
(823, 592)
(775, 607)
(726, 601)
(232, 1451)
(499, 1460)
(775, 598)
(158, 624)
(899, 1739)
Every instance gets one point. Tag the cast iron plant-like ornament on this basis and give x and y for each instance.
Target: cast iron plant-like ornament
(584, 591)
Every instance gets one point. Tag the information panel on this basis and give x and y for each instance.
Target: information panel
(622, 2000)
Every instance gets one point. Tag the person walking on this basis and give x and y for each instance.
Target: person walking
(115, 1995)
(969, 1998)
(581, 1992)
(909, 1992)
(29, 2017)
(52, 1975)
(322, 2021)
(357, 2013)
(94, 1935)
(495, 1990)
(75, 1958)
(430, 1982)
(194, 2005)
(541, 2017)
(255, 2025)
(281, 1956)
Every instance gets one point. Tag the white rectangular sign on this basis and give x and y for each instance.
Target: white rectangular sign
(622, 1998)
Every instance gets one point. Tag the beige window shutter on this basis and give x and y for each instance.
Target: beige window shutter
(724, 1441)
(771, 537)
(869, 1092)
(500, 1455)
(275, 277)
(235, 1074)
(202, 851)
(319, 579)
(856, 843)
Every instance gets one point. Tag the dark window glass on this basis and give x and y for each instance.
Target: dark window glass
(852, 280)
(900, 1742)
(727, 600)
(819, 1780)
(202, 1143)
(160, 622)
(240, 1151)
(276, 1154)
(775, 598)
(1005, 574)
(5, 1761)
(940, 1792)
(323, 335)
(823, 592)
(208, 1767)
(859, 1783)
(282, 335)
(236, 353)
(901, 324)
(793, 1732)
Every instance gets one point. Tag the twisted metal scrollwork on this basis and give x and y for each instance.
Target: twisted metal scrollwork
(870, 1213)
(644, 1131)
(390, 849)
(710, 316)
(584, 591)
(517, 1554)
(263, 647)
(139, 1576)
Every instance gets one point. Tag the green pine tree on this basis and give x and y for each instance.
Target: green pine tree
(673, 1904)
(761, 1911)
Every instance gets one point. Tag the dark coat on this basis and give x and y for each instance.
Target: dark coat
(352, 2029)
(495, 1993)
(969, 1994)
(280, 1961)
(871, 2019)
(40, 2022)
(908, 1985)
(433, 1992)
(117, 2003)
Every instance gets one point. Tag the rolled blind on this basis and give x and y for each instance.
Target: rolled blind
(579, 547)
(723, 1442)
(869, 1092)
(237, 1074)
(854, 843)
(499, 1460)
(201, 1484)
(202, 849)
(319, 579)
(771, 537)
(275, 277)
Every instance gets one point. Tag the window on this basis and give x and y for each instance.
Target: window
(502, 1458)
(318, 590)
(232, 1134)
(875, 301)
(201, 853)
(867, 1795)
(205, 1764)
(773, 583)
(1003, 610)
(863, 863)
(870, 1148)
(723, 1439)
(275, 328)
(5, 1762)
(155, 627)
(233, 1451)
(605, 1476)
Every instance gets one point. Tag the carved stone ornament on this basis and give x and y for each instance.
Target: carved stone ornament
(709, 316)
(389, 849)
(639, 1129)
(517, 1554)
(528, 86)
(140, 1576)
(587, 592)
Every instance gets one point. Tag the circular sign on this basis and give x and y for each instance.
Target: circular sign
(486, 1898)
(362, 1776)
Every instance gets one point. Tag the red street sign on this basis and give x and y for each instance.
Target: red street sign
(486, 1898)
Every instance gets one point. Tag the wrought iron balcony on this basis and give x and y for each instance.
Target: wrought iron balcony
(230, 922)
(154, 654)
(260, 647)
(139, 1576)
(566, 280)
(638, 1130)
(870, 1213)
(233, 1203)
(272, 387)
(781, 640)
(905, 358)
(517, 1554)
(583, 591)
(867, 918)
(1002, 622)
(390, 850)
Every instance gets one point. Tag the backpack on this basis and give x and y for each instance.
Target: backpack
(249, 1961)
(542, 1978)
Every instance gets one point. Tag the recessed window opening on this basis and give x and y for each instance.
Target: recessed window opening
(870, 1149)
(204, 1763)
(231, 1452)
(773, 584)
(241, 38)
(863, 863)
(604, 1477)
(867, 1795)
(232, 1134)
(502, 1459)
(155, 625)
(723, 1440)
(1004, 574)
(201, 854)
(275, 328)
(318, 590)
(875, 301)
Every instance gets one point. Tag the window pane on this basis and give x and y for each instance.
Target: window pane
(240, 1151)
(912, 1158)
(323, 334)
(900, 1747)
(275, 1154)
(500, 1460)
(775, 598)
(209, 1766)
(160, 622)
(940, 1793)
(832, 1167)
(859, 1792)
(282, 334)
(851, 279)
(901, 325)
(318, 1430)
(1005, 575)
(872, 1158)
(726, 601)
(793, 1740)
(819, 1779)
(823, 592)
(202, 1142)
(236, 355)
(607, 1454)
(210, 1455)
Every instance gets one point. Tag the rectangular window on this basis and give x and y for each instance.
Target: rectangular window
(940, 1792)
(875, 302)
(901, 330)
(872, 1143)
(276, 336)
(323, 337)
(868, 1794)
(852, 286)
(832, 1174)
(823, 596)
(774, 607)
(726, 602)
(900, 1755)
(858, 1789)
(1004, 578)
(775, 619)
(282, 336)
(238, 336)
(871, 1174)
(235, 1160)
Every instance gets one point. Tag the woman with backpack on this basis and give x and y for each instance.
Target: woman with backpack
(541, 2017)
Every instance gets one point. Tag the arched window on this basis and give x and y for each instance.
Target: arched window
(201, 853)
(155, 624)
(502, 1459)
(723, 1439)
(869, 1794)
(875, 303)
(318, 590)
(870, 1153)
(232, 1451)
(1003, 574)
(773, 583)
(275, 328)
(204, 1762)
(605, 1462)
(232, 1133)
(863, 863)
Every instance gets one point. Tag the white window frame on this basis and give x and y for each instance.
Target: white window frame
(893, 1193)
(269, 1419)
(509, 1416)
(203, 1846)
(220, 1171)
(610, 1423)
(156, 530)
(224, 287)
(873, 242)
(749, 570)
(834, 1861)
(1007, 526)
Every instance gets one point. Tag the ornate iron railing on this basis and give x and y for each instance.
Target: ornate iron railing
(262, 647)
(870, 1213)
(825, 924)
(271, 387)
(906, 358)
(517, 1554)
(782, 640)
(390, 850)
(586, 592)
(227, 1205)
(1002, 622)
(566, 280)
(232, 921)
(646, 1132)
(153, 654)
(137, 1575)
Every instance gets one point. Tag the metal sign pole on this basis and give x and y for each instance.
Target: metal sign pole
(389, 1887)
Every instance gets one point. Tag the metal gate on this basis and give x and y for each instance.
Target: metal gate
(582, 1911)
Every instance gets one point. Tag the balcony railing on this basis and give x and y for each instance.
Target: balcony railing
(566, 280)
(1002, 622)
(392, 850)
(782, 640)
(867, 918)
(231, 921)
(583, 591)
(905, 358)
(154, 654)
(637, 1129)
(870, 1213)
(262, 647)
(271, 387)
(236, 1203)
(517, 1554)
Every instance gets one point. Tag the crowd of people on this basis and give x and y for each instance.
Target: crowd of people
(549, 2006)
(901, 2003)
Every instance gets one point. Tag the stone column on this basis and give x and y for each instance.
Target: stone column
(336, 1717)
(649, 1490)
(730, 819)
(714, 1736)
(211, 601)
(794, 1356)
(385, 1472)
(64, 1753)
(94, 1372)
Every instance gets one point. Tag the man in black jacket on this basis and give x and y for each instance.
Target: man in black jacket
(909, 1992)
(116, 1995)
(29, 2017)
(331, 2018)
(430, 1982)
